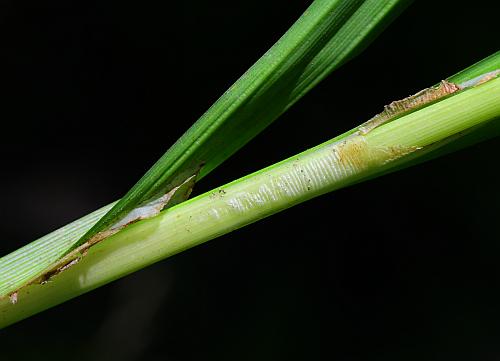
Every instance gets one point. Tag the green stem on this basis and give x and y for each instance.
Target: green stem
(328, 34)
(329, 166)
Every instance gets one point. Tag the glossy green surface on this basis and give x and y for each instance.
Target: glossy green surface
(323, 38)
(329, 166)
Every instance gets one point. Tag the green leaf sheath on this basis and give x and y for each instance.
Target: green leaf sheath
(486, 65)
(327, 167)
(324, 37)
(30, 261)
(27, 263)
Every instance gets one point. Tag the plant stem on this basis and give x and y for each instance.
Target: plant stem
(329, 166)
(327, 35)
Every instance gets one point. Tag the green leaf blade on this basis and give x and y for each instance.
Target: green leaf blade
(323, 38)
(327, 167)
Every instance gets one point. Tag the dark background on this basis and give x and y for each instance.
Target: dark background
(404, 267)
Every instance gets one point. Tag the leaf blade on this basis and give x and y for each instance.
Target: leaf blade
(322, 39)
(328, 34)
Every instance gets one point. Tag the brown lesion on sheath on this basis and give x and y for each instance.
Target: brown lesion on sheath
(353, 153)
(411, 103)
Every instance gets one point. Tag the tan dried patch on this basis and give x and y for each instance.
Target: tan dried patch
(413, 102)
(353, 153)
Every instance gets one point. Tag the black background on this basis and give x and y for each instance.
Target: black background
(404, 267)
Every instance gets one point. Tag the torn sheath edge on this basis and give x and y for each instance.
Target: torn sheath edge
(422, 99)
